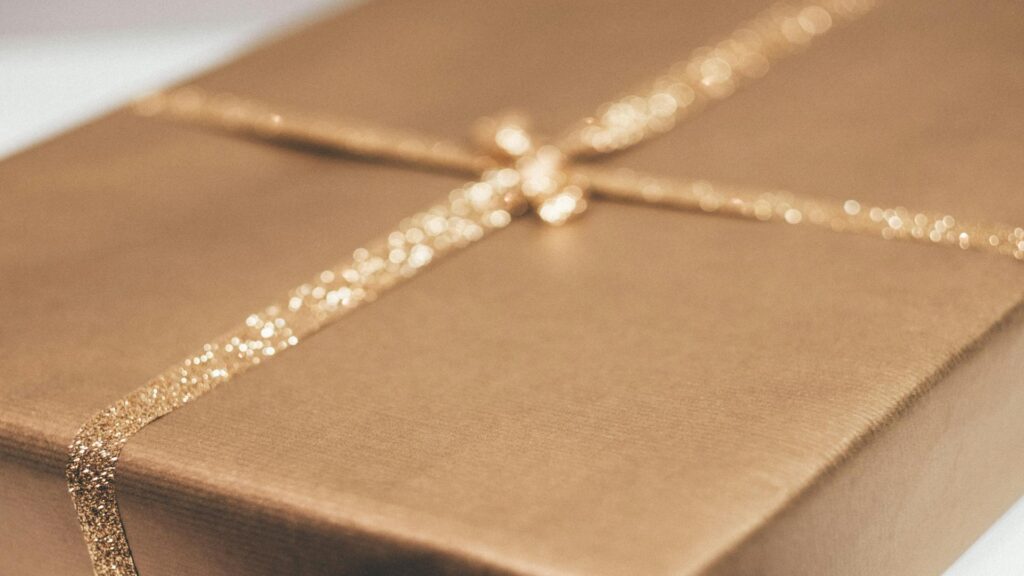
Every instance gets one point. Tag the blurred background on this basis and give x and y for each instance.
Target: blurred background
(65, 61)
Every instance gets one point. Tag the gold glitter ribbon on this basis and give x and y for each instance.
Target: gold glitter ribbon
(515, 172)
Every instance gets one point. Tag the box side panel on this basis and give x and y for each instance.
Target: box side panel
(920, 491)
(38, 530)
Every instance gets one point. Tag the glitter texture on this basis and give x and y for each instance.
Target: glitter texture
(469, 214)
(848, 216)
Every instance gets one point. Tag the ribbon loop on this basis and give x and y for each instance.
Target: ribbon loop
(553, 191)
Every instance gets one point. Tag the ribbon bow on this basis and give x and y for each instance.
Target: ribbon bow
(513, 173)
(545, 181)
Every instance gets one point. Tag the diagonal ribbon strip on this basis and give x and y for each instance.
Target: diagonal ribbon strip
(515, 172)
(467, 215)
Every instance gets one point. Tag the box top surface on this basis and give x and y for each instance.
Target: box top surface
(634, 391)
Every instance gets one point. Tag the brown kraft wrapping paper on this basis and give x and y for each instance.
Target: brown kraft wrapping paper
(641, 391)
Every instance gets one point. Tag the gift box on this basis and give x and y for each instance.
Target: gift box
(639, 391)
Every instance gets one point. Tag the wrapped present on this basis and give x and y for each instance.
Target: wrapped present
(749, 317)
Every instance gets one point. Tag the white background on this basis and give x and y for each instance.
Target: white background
(63, 61)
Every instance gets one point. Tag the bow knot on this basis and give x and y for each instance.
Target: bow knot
(543, 177)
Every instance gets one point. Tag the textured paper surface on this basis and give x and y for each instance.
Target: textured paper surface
(637, 392)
